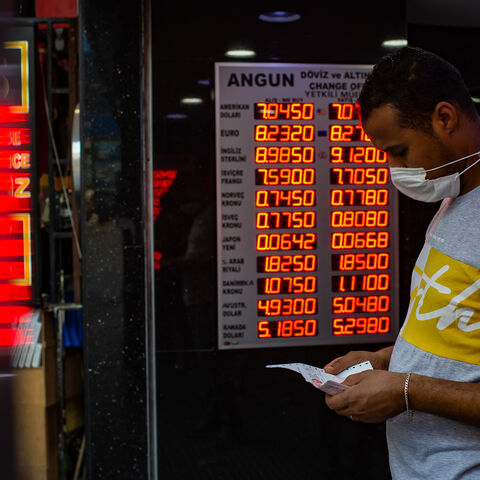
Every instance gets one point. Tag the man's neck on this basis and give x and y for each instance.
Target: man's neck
(471, 178)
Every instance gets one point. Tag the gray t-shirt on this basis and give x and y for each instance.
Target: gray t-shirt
(441, 338)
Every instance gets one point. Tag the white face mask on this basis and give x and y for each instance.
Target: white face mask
(413, 182)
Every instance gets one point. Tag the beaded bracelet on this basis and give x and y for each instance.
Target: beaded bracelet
(405, 393)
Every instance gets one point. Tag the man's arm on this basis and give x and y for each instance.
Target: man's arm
(375, 396)
(456, 400)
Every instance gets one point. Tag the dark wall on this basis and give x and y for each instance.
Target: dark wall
(457, 45)
(111, 89)
(221, 414)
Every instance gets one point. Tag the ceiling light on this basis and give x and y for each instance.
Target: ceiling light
(240, 53)
(176, 116)
(395, 43)
(191, 100)
(279, 17)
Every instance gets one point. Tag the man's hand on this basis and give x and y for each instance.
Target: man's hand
(379, 360)
(373, 396)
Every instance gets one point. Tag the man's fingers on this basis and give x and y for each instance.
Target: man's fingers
(328, 400)
(332, 366)
(356, 377)
(341, 363)
(336, 402)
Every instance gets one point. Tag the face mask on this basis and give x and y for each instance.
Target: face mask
(413, 182)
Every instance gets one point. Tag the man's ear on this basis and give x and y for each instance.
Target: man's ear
(445, 118)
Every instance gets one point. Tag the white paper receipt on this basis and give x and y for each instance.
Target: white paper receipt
(331, 384)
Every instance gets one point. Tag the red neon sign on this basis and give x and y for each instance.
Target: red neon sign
(16, 271)
(162, 181)
(14, 137)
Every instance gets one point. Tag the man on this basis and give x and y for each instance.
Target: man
(416, 107)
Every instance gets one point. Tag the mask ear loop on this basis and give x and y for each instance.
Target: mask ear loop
(455, 161)
(446, 203)
(443, 207)
(473, 164)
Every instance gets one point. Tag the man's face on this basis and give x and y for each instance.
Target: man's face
(407, 147)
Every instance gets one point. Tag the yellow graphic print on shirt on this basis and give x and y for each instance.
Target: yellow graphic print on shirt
(443, 317)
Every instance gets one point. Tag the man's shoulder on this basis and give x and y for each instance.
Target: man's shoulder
(457, 230)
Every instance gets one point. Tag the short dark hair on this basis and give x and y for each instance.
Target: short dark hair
(414, 81)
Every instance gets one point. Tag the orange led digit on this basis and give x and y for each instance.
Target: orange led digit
(348, 133)
(302, 111)
(340, 154)
(359, 218)
(363, 304)
(272, 220)
(359, 176)
(287, 328)
(359, 240)
(287, 132)
(284, 133)
(361, 133)
(275, 307)
(361, 261)
(284, 154)
(359, 197)
(361, 283)
(361, 325)
(287, 263)
(279, 285)
(336, 154)
(285, 198)
(344, 111)
(263, 329)
(285, 176)
(286, 241)
(284, 111)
